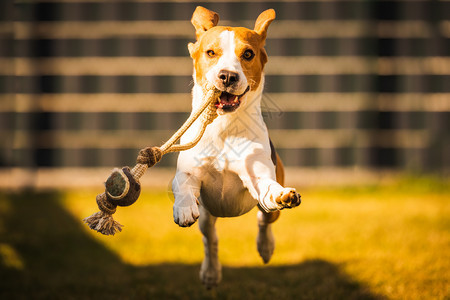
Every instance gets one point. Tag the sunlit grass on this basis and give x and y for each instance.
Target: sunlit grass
(392, 240)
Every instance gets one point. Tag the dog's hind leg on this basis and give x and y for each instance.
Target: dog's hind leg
(211, 270)
(265, 241)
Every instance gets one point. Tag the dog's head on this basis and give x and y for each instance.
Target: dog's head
(231, 58)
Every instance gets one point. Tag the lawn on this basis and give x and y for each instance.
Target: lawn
(361, 242)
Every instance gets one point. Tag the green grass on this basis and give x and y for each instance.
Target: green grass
(362, 242)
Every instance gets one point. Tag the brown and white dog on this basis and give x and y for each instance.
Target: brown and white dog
(234, 167)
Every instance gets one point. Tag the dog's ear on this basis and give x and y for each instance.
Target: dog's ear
(192, 48)
(203, 19)
(263, 22)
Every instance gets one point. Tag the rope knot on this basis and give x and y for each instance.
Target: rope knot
(103, 221)
(149, 156)
(105, 205)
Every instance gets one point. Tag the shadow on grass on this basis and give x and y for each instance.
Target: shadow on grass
(44, 254)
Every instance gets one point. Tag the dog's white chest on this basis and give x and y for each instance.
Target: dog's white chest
(230, 147)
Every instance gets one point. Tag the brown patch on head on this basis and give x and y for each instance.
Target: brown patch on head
(201, 53)
(251, 54)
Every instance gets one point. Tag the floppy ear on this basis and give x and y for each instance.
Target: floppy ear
(263, 22)
(203, 19)
(192, 48)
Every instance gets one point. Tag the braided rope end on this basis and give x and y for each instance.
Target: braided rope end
(103, 223)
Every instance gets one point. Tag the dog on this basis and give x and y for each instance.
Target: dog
(234, 167)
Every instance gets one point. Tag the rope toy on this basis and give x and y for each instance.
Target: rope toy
(122, 188)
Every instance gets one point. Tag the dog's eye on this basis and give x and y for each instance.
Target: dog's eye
(248, 54)
(210, 53)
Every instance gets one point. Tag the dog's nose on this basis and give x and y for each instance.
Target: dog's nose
(227, 77)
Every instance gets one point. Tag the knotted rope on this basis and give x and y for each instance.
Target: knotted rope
(122, 188)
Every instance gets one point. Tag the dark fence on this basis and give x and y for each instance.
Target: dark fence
(349, 83)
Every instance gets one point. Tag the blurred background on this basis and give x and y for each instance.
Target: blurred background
(354, 89)
(357, 102)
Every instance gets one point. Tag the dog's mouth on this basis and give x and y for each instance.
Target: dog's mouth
(228, 102)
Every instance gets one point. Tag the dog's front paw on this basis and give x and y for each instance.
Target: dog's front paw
(288, 198)
(185, 216)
